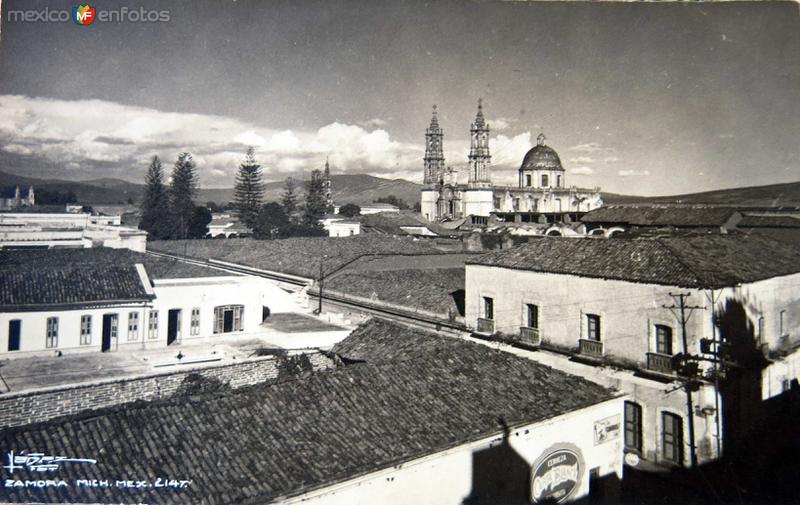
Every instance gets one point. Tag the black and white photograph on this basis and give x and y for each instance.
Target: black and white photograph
(408, 252)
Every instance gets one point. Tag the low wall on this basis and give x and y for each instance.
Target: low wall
(17, 409)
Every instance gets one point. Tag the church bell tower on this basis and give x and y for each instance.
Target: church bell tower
(434, 154)
(479, 157)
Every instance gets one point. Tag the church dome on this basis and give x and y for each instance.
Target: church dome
(541, 157)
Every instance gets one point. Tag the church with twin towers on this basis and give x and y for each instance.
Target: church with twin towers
(540, 196)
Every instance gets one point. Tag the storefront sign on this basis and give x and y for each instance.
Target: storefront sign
(606, 430)
(557, 475)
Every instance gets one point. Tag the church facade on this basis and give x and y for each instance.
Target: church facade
(12, 198)
(541, 194)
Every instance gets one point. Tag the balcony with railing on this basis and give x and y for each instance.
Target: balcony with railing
(661, 363)
(591, 348)
(529, 336)
(485, 326)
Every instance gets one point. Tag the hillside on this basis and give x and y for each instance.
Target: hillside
(773, 195)
(358, 188)
(362, 189)
(99, 191)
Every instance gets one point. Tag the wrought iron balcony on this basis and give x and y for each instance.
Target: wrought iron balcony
(658, 362)
(485, 326)
(530, 336)
(592, 348)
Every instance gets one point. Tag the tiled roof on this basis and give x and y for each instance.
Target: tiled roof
(29, 288)
(661, 215)
(705, 261)
(296, 256)
(434, 290)
(259, 444)
(157, 267)
(749, 221)
(380, 341)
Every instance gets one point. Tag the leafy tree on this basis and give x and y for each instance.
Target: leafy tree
(392, 200)
(155, 204)
(289, 197)
(350, 210)
(417, 207)
(270, 221)
(198, 224)
(248, 190)
(316, 205)
(302, 230)
(182, 191)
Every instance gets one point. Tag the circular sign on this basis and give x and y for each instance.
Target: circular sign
(631, 459)
(557, 476)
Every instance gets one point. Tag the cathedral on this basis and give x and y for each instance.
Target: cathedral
(541, 195)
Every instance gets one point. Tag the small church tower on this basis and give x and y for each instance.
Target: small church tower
(326, 186)
(434, 153)
(479, 157)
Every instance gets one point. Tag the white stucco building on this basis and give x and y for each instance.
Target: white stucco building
(92, 300)
(615, 306)
(39, 230)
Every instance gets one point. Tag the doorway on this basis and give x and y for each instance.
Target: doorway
(14, 334)
(174, 326)
(110, 332)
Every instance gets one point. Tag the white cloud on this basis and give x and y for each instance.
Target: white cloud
(591, 147)
(633, 173)
(508, 151)
(373, 123)
(250, 138)
(582, 159)
(116, 140)
(17, 149)
(611, 159)
(726, 136)
(581, 171)
(501, 123)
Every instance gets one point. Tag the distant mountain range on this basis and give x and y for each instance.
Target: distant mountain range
(360, 189)
(363, 189)
(773, 195)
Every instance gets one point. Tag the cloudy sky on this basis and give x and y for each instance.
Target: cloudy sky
(636, 98)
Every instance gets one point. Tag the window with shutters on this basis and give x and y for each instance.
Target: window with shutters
(133, 326)
(86, 330)
(672, 438)
(51, 338)
(663, 339)
(194, 327)
(633, 426)
(152, 325)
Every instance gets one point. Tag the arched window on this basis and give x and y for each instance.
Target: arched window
(558, 181)
(544, 181)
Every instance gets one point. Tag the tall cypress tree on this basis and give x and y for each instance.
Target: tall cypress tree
(248, 190)
(289, 197)
(182, 191)
(316, 204)
(155, 203)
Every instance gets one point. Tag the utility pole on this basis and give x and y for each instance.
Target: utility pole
(679, 308)
(320, 280)
(712, 298)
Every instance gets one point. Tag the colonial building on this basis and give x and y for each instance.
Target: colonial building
(541, 194)
(100, 299)
(12, 198)
(409, 417)
(34, 230)
(659, 319)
